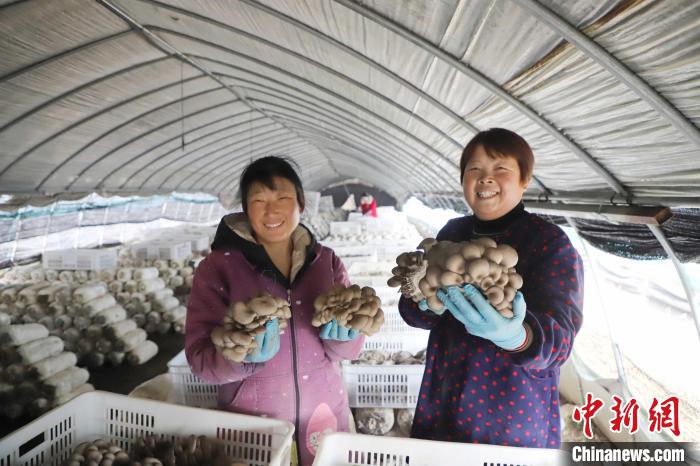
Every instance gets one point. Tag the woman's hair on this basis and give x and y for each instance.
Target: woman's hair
(500, 142)
(262, 171)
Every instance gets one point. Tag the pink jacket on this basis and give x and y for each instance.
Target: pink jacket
(302, 383)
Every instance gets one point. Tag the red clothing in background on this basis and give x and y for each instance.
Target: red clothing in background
(369, 207)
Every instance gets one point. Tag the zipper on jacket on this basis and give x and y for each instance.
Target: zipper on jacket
(297, 394)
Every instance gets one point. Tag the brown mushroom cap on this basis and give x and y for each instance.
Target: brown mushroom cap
(472, 251)
(515, 280)
(486, 241)
(510, 255)
(478, 268)
(455, 263)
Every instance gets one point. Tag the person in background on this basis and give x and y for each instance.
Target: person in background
(488, 378)
(293, 375)
(368, 205)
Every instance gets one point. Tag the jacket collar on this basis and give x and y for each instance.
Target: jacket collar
(235, 232)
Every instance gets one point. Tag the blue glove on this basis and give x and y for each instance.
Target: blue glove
(267, 344)
(482, 320)
(333, 331)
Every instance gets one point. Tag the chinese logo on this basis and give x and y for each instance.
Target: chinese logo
(662, 415)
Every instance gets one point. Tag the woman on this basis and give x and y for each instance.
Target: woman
(294, 375)
(491, 379)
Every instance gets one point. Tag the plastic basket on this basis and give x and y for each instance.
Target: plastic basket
(345, 228)
(342, 449)
(383, 386)
(50, 439)
(397, 335)
(188, 389)
(80, 259)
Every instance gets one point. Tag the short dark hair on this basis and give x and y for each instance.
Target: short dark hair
(500, 142)
(262, 171)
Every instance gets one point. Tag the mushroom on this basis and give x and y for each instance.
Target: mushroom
(353, 307)
(478, 269)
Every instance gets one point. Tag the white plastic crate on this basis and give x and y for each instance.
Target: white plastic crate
(382, 386)
(342, 449)
(346, 228)
(397, 335)
(80, 259)
(50, 439)
(163, 249)
(188, 389)
(372, 269)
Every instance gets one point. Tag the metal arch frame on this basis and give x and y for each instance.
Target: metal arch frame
(227, 147)
(325, 91)
(332, 144)
(393, 189)
(320, 66)
(375, 65)
(226, 138)
(203, 146)
(83, 120)
(297, 144)
(117, 128)
(366, 144)
(337, 118)
(329, 92)
(286, 73)
(73, 91)
(166, 47)
(291, 140)
(492, 87)
(235, 166)
(281, 16)
(615, 67)
(351, 156)
(65, 53)
(177, 138)
(314, 136)
(146, 133)
(546, 190)
(296, 117)
(301, 128)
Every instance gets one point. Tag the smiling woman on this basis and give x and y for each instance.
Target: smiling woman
(292, 375)
(474, 350)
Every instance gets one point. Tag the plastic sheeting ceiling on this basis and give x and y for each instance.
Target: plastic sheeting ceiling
(146, 96)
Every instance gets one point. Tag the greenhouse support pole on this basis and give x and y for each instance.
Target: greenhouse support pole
(211, 211)
(689, 291)
(17, 229)
(48, 229)
(617, 352)
(104, 222)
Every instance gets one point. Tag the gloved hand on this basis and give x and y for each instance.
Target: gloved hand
(481, 319)
(267, 343)
(423, 306)
(333, 331)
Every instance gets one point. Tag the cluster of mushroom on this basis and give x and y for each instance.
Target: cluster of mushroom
(411, 267)
(188, 451)
(244, 320)
(153, 451)
(352, 307)
(100, 452)
(375, 357)
(481, 262)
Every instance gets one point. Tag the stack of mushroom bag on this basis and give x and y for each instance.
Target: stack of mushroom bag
(441, 264)
(37, 374)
